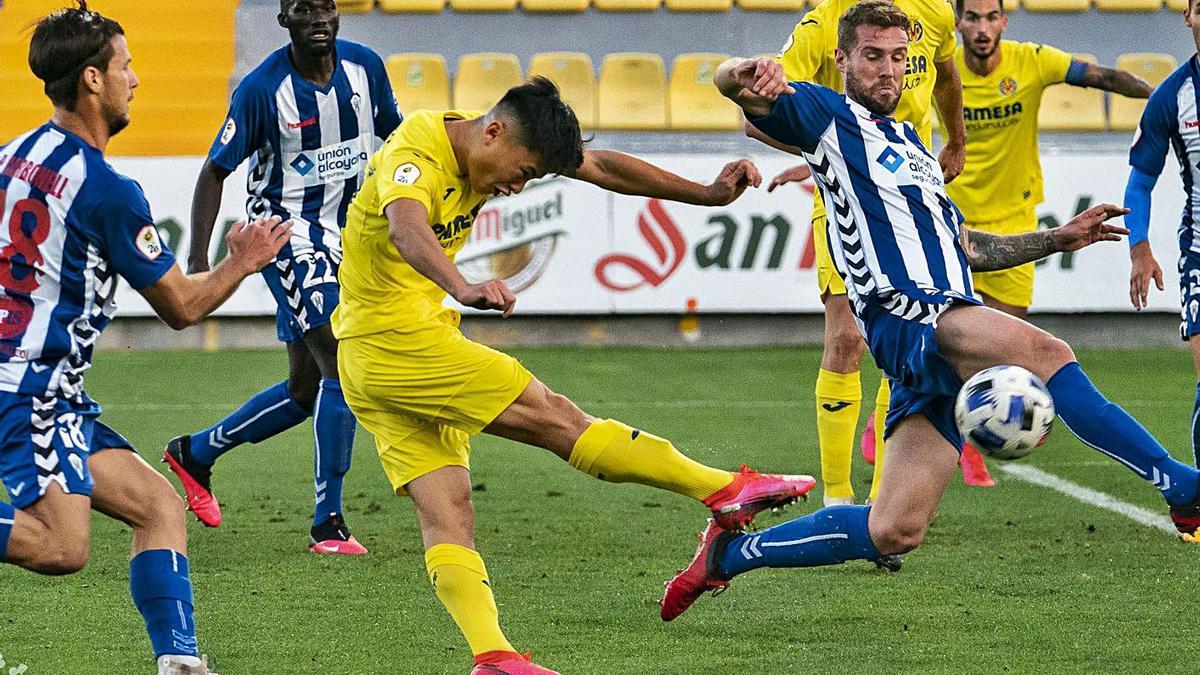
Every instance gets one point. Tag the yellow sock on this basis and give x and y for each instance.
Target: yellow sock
(881, 409)
(839, 398)
(618, 453)
(461, 583)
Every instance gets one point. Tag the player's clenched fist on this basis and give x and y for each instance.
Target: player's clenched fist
(733, 181)
(762, 77)
(492, 294)
(253, 245)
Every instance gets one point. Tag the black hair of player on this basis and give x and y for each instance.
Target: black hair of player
(958, 7)
(877, 13)
(545, 125)
(64, 44)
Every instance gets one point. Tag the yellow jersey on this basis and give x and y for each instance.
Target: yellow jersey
(1003, 174)
(808, 57)
(379, 290)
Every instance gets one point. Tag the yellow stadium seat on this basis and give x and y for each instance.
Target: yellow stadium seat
(483, 78)
(412, 6)
(693, 101)
(771, 5)
(1153, 68)
(1177, 5)
(1011, 5)
(1057, 5)
(420, 81)
(483, 5)
(575, 77)
(699, 5)
(560, 6)
(1129, 5)
(355, 6)
(627, 5)
(632, 92)
(1069, 108)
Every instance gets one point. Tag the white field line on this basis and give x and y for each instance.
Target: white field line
(1086, 495)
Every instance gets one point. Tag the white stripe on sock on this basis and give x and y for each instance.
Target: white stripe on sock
(4, 521)
(182, 616)
(1139, 471)
(1086, 495)
(806, 540)
(243, 425)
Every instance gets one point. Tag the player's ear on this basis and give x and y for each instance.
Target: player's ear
(839, 58)
(281, 19)
(91, 80)
(493, 132)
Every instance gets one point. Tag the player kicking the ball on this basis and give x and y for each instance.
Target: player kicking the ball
(423, 389)
(74, 224)
(898, 242)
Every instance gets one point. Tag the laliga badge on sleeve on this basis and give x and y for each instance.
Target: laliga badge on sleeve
(406, 174)
(149, 243)
(228, 132)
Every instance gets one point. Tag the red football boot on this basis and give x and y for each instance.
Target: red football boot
(196, 478)
(701, 576)
(735, 505)
(974, 469)
(508, 663)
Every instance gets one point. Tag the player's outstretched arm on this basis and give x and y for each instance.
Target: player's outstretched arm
(627, 175)
(206, 203)
(408, 228)
(990, 252)
(184, 300)
(947, 93)
(1116, 81)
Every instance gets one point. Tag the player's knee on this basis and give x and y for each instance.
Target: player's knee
(1052, 350)
(844, 349)
(303, 391)
(899, 537)
(62, 554)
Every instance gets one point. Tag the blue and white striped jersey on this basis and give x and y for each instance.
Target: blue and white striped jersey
(70, 224)
(893, 232)
(307, 145)
(1170, 119)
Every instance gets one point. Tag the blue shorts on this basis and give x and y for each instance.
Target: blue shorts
(48, 440)
(1189, 294)
(306, 292)
(906, 351)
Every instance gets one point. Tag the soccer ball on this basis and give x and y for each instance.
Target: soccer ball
(1004, 411)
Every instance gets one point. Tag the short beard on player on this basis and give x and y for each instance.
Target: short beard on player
(116, 122)
(983, 55)
(861, 93)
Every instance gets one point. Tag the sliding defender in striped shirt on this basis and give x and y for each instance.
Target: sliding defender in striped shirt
(308, 119)
(897, 240)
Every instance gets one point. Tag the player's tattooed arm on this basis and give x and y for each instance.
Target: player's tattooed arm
(989, 252)
(1116, 81)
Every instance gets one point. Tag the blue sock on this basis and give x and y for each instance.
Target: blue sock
(1108, 428)
(1196, 427)
(333, 426)
(162, 592)
(830, 536)
(267, 413)
(7, 515)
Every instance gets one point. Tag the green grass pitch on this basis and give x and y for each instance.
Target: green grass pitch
(1012, 579)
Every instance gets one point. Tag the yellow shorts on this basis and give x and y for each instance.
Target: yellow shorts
(829, 282)
(1013, 286)
(423, 390)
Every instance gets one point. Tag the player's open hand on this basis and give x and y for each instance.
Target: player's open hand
(1088, 228)
(952, 158)
(253, 245)
(1144, 268)
(733, 181)
(492, 294)
(796, 174)
(763, 77)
